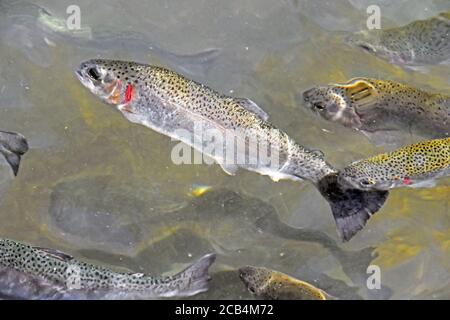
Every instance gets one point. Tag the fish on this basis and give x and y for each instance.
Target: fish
(28, 272)
(13, 146)
(415, 45)
(34, 30)
(416, 165)
(375, 106)
(199, 190)
(273, 285)
(175, 106)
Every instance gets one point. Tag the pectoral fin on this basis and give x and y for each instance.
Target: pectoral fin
(424, 184)
(252, 107)
(390, 139)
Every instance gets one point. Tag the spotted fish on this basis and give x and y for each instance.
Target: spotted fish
(175, 106)
(420, 43)
(376, 106)
(28, 272)
(273, 285)
(415, 165)
(13, 146)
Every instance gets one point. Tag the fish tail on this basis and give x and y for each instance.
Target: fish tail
(351, 208)
(13, 146)
(195, 278)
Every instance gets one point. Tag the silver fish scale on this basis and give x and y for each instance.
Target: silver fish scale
(168, 101)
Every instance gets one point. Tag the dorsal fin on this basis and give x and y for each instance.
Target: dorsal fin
(55, 253)
(252, 107)
(318, 153)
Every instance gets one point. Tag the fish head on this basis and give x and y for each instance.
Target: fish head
(339, 102)
(388, 46)
(367, 40)
(363, 175)
(255, 278)
(111, 80)
(344, 103)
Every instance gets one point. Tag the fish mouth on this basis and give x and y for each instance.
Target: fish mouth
(79, 74)
(309, 101)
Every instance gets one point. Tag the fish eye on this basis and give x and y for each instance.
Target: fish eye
(366, 48)
(366, 182)
(93, 73)
(319, 105)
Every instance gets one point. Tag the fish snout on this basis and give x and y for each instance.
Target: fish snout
(246, 274)
(307, 95)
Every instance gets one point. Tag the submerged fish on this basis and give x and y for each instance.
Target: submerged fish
(173, 105)
(274, 285)
(415, 165)
(376, 106)
(33, 30)
(12, 147)
(38, 273)
(421, 42)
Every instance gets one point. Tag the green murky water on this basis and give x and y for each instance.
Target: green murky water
(105, 190)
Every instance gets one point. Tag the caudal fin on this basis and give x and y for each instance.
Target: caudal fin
(351, 208)
(195, 278)
(13, 146)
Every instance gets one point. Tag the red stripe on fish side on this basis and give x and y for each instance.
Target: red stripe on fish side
(407, 181)
(128, 93)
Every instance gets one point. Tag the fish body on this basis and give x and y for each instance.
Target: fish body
(28, 272)
(415, 165)
(373, 105)
(273, 285)
(422, 42)
(175, 106)
(13, 146)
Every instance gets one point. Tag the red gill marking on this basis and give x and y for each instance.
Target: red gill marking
(128, 93)
(407, 181)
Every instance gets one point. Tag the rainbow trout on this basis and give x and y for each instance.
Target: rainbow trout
(422, 42)
(273, 285)
(28, 272)
(373, 105)
(12, 147)
(416, 165)
(175, 106)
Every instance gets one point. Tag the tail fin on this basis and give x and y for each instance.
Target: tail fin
(13, 146)
(195, 278)
(351, 208)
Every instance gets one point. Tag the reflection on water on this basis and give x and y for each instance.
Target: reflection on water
(103, 189)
